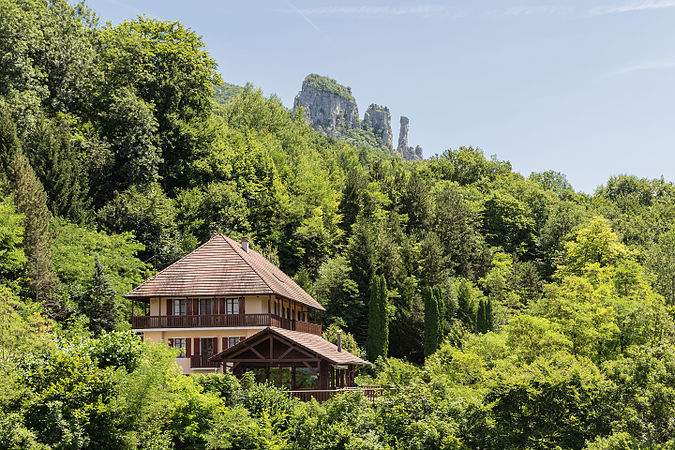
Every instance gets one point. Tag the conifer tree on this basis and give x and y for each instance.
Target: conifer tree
(98, 302)
(57, 166)
(31, 200)
(378, 323)
(9, 144)
(361, 253)
(432, 322)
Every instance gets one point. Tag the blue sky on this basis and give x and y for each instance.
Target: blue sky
(582, 87)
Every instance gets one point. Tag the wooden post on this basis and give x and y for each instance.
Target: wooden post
(293, 376)
(280, 380)
(267, 372)
(269, 308)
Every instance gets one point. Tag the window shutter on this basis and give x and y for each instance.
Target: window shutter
(195, 306)
(169, 307)
(188, 307)
(188, 347)
(222, 306)
(215, 345)
(242, 305)
(198, 348)
(170, 342)
(225, 346)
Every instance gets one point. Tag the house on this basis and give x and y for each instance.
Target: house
(226, 307)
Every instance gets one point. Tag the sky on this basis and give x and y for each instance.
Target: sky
(580, 87)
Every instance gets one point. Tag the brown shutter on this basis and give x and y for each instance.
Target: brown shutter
(198, 347)
(242, 305)
(195, 307)
(188, 307)
(215, 346)
(225, 347)
(170, 342)
(169, 307)
(188, 347)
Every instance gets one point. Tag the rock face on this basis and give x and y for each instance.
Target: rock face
(408, 153)
(378, 119)
(328, 105)
(332, 110)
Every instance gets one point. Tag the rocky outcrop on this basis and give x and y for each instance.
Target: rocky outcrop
(406, 152)
(331, 109)
(377, 119)
(328, 105)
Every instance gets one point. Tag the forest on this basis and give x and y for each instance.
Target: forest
(499, 311)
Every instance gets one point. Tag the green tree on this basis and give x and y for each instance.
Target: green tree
(31, 201)
(57, 165)
(98, 302)
(378, 319)
(165, 65)
(432, 322)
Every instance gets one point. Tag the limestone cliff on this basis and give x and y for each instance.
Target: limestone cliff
(406, 152)
(327, 104)
(331, 109)
(377, 119)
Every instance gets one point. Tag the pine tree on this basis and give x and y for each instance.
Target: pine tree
(431, 322)
(378, 323)
(98, 302)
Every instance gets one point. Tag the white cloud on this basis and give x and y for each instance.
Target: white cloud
(650, 65)
(631, 7)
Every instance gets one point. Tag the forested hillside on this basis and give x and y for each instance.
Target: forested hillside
(503, 311)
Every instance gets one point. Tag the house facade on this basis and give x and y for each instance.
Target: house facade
(223, 293)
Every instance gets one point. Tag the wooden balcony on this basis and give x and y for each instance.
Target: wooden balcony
(202, 361)
(224, 320)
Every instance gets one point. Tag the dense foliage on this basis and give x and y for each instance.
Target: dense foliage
(501, 311)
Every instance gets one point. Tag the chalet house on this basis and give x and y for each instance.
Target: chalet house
(226, 307)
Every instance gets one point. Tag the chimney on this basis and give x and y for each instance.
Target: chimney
(244, 244)
(339, 344)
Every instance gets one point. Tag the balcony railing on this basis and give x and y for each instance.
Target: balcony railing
(202, 361)
(224, 320)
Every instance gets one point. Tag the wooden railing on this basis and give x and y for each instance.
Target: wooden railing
(307, 327)
(202, 361)
(370, 392)
(224, 320)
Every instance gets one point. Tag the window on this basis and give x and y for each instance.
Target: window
(179, 307)
(231, 306)
(206, 346)
(179, 343)
(232, 341)
(205, 306)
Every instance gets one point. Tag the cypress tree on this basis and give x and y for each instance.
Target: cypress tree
(480, 317)
(378, 324)
(489, 317)
(431, 322)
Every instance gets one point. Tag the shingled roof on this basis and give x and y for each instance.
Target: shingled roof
(221, 267)
(310, 342)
